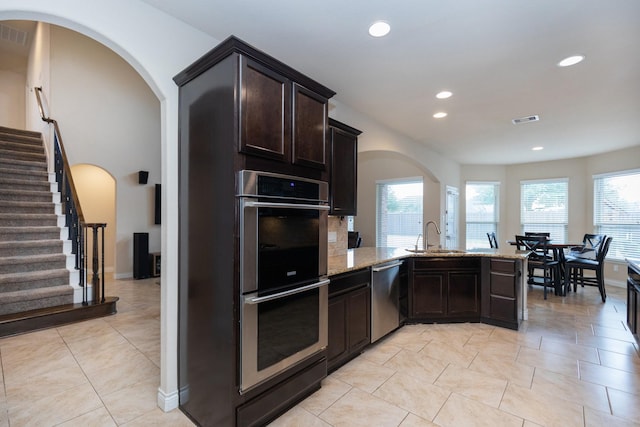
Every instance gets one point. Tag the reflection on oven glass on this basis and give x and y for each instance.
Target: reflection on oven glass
(286, 326)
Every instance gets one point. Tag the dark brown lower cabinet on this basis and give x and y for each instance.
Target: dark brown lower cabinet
(444, 288)
(633, 299)
(349, 316)
(501, 292)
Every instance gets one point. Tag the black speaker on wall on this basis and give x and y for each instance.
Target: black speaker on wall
(158, 204)
(141, 256)
(143, 177)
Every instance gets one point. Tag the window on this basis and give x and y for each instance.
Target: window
(616, 199)
(399, 212)
(544, 207)
(482, 212)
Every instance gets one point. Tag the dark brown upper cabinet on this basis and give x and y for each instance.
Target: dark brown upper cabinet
(280, 119)
(280, 116)
(344, 168)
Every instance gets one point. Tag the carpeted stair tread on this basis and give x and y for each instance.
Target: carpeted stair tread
(18, 301)
(22, 146)
(28, 263)
(25, 184)
(33, 280)
(30, 247)
(23, 175)
(23, 164)
(7, 206)
(25, 195)
(27, 219)
(25, 135)
(29, 233)
(21, 155)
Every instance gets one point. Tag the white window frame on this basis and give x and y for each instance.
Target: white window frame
(555, 223)
(624, 227)
(382, 239)
(487, 224)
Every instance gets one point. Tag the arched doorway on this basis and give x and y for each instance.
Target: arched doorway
(97, 193)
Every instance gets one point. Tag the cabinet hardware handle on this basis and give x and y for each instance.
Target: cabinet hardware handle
(257, 300)
(386, 267)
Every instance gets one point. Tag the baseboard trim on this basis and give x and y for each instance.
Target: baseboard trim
(168, 401)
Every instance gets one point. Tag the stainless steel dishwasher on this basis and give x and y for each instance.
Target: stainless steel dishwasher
(385, 304)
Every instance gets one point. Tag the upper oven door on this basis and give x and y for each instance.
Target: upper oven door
(281, 244)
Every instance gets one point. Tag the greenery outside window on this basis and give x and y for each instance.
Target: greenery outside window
(399, 212)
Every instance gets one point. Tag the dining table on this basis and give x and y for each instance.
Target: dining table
(558, 249)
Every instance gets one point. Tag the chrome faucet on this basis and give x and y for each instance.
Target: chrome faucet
(417, 240)
(426, 234)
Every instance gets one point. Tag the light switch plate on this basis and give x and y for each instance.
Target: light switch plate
(333, 237)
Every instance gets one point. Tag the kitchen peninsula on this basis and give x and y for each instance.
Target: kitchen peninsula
(496, 268)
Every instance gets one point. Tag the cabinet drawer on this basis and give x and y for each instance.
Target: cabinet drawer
(502, 285)
(348, 281)
(448, 263)
(503, 265)
(503, 308)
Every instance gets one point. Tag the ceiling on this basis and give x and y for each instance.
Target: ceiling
(498, 57)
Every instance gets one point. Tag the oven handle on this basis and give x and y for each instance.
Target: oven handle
(252, 204)
(258, 300)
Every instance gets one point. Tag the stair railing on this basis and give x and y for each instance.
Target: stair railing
(74, 219)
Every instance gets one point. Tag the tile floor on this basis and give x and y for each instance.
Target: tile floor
(573, 363)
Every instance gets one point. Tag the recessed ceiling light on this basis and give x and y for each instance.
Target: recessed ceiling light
(538, 148)
(572, 60)
(379, 29)
(444, 94)
(440, 115)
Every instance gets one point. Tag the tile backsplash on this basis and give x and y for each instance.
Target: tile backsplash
(337, 225)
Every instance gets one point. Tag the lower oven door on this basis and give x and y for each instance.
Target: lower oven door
(281, 330)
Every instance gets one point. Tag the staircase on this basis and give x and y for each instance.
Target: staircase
(34, 269)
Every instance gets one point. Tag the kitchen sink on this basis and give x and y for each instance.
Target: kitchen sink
(436, 251)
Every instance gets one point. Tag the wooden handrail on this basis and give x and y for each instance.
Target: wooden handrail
(65, 162)
(78, 228)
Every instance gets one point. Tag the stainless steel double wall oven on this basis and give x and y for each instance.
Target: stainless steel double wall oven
(283, 272)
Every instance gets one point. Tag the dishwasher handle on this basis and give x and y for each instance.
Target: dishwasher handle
(387, 266)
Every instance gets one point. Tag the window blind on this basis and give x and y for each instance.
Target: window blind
(616, 212)
(544, 207)
(481, 212)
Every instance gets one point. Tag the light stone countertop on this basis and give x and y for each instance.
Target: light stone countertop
(356, 259)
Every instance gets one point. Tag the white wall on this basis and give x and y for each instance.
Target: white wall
(109, 117)
(12, 97)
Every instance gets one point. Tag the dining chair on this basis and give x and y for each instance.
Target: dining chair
(591, 243)
(575, 268)
(493, 240)
(541, 257)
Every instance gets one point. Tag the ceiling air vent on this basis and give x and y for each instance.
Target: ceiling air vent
(525, 120)
(12, 35)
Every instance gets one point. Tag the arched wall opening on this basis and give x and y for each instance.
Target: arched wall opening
(165, 47)
(374, 166)
(97, 193)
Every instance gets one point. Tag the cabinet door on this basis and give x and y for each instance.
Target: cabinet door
(264, 112)
(309, 128)
(359, 319)
(337, 347)
(428, 294)
(344, 167)
(463, 298)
